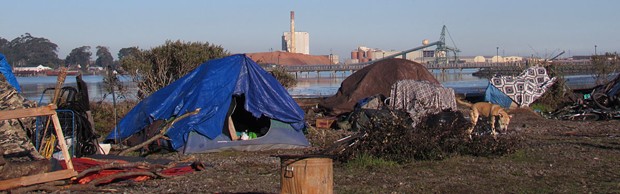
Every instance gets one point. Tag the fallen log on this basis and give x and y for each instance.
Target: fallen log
(110, 178)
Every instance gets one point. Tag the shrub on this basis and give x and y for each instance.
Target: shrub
(103, 115)
(158, 67)
(287, 80)
(558, 95)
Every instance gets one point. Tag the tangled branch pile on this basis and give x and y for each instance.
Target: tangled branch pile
(438, 136)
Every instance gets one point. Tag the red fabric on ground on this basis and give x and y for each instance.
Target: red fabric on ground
(81, 164)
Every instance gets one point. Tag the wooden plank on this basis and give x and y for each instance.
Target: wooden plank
(232, 130)
(28, 112)
(36, 179)
(61, 141)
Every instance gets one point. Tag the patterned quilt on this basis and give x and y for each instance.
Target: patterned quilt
(526, 87)
(420, 98)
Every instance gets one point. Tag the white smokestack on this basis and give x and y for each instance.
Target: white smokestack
(292, 32)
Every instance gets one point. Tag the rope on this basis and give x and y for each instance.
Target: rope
(48, 149)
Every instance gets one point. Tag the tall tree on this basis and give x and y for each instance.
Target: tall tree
(27, 50)
(160, 66)
(4, 44)
(104, 57)
(79, 56)
(129, 51)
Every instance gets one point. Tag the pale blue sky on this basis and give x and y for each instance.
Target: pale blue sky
(518, 27)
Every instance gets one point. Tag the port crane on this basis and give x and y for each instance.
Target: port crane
(441, 53)
(442, 50)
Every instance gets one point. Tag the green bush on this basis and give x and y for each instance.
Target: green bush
(556, 96)
(287, 80)
(103, 115)
(158, 67)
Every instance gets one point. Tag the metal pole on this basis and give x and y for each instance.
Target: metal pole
(112, 80)
(595, 50)
(497, 55)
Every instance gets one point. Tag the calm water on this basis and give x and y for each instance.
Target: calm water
(309, 84)
(33, 87)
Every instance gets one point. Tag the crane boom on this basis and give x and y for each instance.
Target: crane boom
(556, 56)
(403, 53)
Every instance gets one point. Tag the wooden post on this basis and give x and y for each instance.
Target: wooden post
(59, 83)
(61, 141)
(232, 130)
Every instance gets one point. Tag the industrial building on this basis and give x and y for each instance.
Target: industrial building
(296, 42)
(364, 54)
(302, 42)
(490, 59)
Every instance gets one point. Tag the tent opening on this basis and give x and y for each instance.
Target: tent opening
(244, 121)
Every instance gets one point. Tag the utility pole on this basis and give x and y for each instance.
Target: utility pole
(595, 50)
(497, 55)
(113, 81)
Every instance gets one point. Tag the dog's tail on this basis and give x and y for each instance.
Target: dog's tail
(467, 104)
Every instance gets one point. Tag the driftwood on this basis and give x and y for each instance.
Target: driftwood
(49, 186)
(161, 134)
(12, 170)
(121, 175)
(141, 165)
(153, 171)
(60, 185)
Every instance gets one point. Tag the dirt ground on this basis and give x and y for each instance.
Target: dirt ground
(556, 157)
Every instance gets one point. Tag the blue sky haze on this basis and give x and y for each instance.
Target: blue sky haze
(477, 27)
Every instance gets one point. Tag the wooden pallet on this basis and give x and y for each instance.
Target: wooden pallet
(49, 110)
(325, 122)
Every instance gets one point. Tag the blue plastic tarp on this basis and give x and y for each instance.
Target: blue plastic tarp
(6, 70)
(615, 88)
(496, 96)
(210, 87)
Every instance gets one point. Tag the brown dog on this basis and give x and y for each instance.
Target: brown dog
(487, 110)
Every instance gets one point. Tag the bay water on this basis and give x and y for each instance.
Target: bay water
(308, 84)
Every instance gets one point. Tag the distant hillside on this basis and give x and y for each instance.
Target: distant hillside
(286, 58)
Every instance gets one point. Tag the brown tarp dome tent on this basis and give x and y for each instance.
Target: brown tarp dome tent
(374, 79)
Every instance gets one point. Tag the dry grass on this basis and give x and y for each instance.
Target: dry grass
(553, 157)
(103, 114)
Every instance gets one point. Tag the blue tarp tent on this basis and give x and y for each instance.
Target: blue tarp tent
(5, 68)
(496, 96)
(211, 87)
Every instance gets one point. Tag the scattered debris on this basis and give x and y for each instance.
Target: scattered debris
(388, 134)
(603, 103)
(607, 96)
